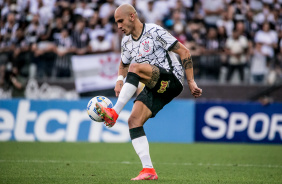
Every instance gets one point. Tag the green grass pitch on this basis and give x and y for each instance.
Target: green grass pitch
(117, 163)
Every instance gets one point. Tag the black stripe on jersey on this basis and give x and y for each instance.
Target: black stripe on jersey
(169, 62)
(170, 47)
(140, 34)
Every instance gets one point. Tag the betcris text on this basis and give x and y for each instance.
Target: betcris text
(239, 122)
(56, 120)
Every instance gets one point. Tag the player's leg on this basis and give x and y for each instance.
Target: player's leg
(146, 73)
(139, 115)
(140, 88)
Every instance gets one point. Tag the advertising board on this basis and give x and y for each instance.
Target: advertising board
(238, 122)
(63, 120)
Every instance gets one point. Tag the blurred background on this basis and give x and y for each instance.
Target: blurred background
(70, 50)
(236, 46)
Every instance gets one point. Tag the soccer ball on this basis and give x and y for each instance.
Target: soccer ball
(91, 107)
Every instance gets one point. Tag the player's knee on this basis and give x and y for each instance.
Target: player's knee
(134, 68)
(134, 122)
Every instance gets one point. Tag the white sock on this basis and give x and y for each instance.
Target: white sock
(125, 95)
(141, 147)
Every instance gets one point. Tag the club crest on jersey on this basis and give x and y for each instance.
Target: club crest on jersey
(163, 87)
(146, 47)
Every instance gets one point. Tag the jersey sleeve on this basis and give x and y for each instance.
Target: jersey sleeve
(164, 38)
(125, 55)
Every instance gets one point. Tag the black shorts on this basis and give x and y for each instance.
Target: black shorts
(167, 88)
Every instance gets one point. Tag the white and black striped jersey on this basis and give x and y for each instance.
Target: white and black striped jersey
(153, 47)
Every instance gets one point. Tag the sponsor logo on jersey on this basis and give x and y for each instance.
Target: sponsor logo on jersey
(162, 41)
(163, 87)
(146, 47)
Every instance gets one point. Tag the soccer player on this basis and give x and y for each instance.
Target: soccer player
(147, 55)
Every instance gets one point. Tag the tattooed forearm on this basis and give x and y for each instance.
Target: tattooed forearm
(187, 63)
(123, 69)
(175, 47)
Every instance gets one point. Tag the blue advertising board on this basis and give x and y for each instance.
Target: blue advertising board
(55, 120)
(238, 122)
(174, 123)
(63, 120)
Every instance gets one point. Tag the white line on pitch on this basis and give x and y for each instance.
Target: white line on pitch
(128, 162)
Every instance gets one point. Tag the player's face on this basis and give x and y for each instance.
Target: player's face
(124, 23)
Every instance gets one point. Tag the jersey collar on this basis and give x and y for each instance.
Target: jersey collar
(140, 34)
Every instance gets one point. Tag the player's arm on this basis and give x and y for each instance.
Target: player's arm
(187, 63)
(122, 71)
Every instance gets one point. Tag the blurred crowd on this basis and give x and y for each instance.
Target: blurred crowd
(225, 37)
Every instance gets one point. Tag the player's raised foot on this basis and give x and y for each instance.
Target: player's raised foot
(108, 114)
(147, 174)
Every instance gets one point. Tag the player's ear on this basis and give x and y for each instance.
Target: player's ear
(131, 17)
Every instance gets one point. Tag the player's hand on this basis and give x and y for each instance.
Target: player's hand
(118, 87)
(195, 90)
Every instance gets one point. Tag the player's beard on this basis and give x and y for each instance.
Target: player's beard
(126, 32)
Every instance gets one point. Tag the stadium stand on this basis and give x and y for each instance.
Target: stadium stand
(39, 37)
